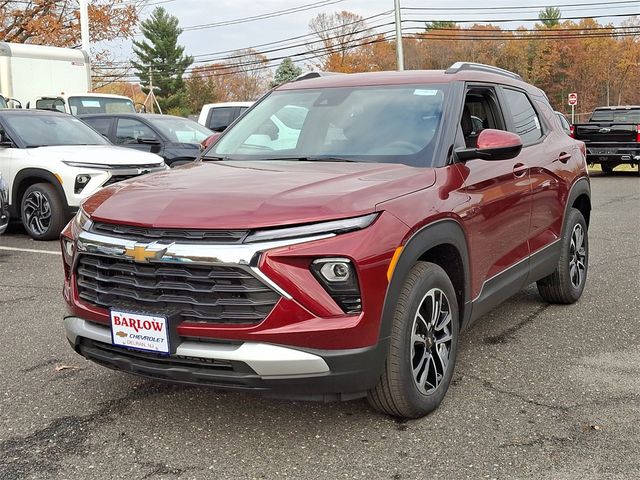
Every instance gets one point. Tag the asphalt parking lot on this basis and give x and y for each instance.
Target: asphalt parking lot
(539, 391)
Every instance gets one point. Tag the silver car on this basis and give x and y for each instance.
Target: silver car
(4, 206)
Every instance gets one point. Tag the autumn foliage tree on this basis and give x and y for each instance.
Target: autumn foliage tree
(57, 23)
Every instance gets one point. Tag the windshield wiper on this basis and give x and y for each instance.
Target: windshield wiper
(317, 159)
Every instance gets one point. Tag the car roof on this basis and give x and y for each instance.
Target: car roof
(227, 104)
(148, 116)
(32, 111)
(619, 107)
(407, 77)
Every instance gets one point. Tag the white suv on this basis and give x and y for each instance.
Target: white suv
(52, 161)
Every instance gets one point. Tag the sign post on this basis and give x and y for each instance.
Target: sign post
(573, 101)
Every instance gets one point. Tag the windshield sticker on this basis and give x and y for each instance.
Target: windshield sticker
(91, 103)
(426, 93)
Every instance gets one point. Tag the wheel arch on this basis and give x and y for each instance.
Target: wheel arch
(28, 177)
(443, 243)
(580, 198)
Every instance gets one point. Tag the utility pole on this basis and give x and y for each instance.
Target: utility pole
(399, 50)
(84, 25)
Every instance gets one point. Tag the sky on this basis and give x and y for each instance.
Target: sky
(202, 42)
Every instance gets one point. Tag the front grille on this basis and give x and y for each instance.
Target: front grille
(193, 293)
(144, 234)
(119, 178)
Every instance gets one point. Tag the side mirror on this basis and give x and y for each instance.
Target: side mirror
(210, 140)
(148, 141)
(493, 145)
(5, 141)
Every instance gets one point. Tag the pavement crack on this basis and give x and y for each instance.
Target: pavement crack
(40, 365)
(510, 332)
(44, 451)
(19, 299)
(554, 440)
(490, 386)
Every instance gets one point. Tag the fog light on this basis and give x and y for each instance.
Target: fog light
(81, 182)
(338, 277)
(335, 271)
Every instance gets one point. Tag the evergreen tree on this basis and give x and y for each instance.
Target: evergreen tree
(550, 16)
(161, 60)
(286, 72)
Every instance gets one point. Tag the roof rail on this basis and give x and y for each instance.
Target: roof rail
(460, 66)
(310, 75)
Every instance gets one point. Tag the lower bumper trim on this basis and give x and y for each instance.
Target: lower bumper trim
(264, 359)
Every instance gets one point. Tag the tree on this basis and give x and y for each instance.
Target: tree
(245, 75)
(202, 87)
(161, 60)
(56, 23)
(440, 25)
(338, 34)
(286, 72)
(550, 16)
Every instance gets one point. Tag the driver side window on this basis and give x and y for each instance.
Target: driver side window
(130, 130)
(480, 112)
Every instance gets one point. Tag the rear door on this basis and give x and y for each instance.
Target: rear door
(499, 212)
(547, 154)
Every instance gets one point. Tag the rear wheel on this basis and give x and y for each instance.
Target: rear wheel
(42, 211)
(566, 284)
(424, 341)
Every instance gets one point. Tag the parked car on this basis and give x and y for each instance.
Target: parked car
(345, 262)
(52, 161)
(175, 139)
(4, 205)
(612, 136)
(218, 116)
(85, 103)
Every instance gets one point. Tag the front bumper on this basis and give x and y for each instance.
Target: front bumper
(274, 370)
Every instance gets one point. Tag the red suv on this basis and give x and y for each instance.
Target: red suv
(333, 243)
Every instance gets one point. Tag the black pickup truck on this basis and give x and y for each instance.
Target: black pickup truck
(612, 137)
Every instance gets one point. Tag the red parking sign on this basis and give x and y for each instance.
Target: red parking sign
(573, 99)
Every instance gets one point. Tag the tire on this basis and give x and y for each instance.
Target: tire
(566, 284)
(401, 392)
(42, 211)
(606, 168)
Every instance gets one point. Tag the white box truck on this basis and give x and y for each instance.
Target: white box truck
(54, 78)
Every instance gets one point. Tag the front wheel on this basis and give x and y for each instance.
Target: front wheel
(42, 211)
(424, 342)
(566, 283)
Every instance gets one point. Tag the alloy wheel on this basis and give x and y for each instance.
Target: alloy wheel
(431, 338)
(577, 256)
(37, 212)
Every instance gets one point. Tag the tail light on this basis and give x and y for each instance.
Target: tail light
(638, 133)
(572, 131)
(583, 149)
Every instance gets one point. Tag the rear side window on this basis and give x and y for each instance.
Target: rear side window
(220, 118)
(525, 119)
(102, 125)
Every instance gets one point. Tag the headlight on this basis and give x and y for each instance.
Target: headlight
(80, 222)
(334, 226)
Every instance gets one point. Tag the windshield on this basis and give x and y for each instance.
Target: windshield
(180, 130)
(48, 130)
(395, 124)
(82, 105)
(617, 116)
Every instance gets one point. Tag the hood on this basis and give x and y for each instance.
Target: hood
(239, 195)
(98, 154)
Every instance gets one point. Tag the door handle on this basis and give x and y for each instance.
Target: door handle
(564, 157)
(519, 170)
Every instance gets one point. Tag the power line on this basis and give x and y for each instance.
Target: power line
(523, 7)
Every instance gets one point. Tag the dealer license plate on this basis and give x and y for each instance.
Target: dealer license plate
(139, 331)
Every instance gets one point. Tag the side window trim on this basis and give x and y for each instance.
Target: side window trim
(511, 126)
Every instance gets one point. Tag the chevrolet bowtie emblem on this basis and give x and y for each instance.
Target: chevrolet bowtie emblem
(144, 253)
